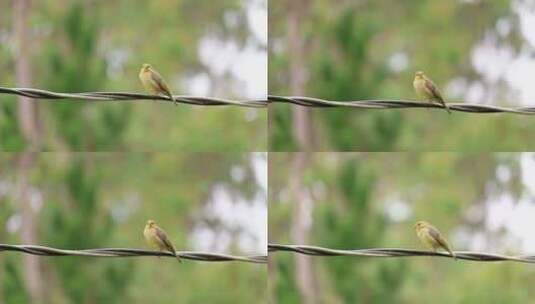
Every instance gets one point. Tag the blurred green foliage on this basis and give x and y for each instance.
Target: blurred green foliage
(355, 225)
(84, 226)
(80, 46)
(99, 200)
(103, 129)
(371, 49)
(363, 200)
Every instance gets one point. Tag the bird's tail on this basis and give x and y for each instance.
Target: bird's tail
(452, 254)
(173, 99)
(178, 257)
(446, 107)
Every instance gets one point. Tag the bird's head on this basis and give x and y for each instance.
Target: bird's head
(145, 67)
(419, 75)
(420, 224)
(150, 223)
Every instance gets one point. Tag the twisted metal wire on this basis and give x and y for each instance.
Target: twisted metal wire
(397, 104)
(397, 252)
(125, 96)
(129, 252)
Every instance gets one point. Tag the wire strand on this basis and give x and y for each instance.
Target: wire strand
(129, 252)
(262, 259)
(398, 252)
(397, 104)
(126, 96)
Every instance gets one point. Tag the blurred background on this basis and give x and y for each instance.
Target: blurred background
(205, 202)
(475, 51)
(480, 202)
(202, 48)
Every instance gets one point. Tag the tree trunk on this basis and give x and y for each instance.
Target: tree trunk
(27, 109)
(3, 239)
(29, 126)
(31, 267)
(301, 221)
(298, 72)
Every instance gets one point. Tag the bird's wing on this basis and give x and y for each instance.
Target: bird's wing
(439, 239)
(158, 80)
(432, 89)
(165, 241)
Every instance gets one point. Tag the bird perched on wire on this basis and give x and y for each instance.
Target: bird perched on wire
(427, 90)
(153, 82)
(431, 237)
(157, 238)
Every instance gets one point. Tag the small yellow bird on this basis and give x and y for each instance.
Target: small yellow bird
(431, 237)
(427, 90)
(153, 82)
(158, 239)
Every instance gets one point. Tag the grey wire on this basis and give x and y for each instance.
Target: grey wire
(260, 103)
(396, 104)
(129, 252)
(397, 253)
(125, 96)
(301, 249)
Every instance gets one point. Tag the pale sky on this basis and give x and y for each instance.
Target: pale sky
(247, 65)
(236, 213)
(509, 224)
(497, 61)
